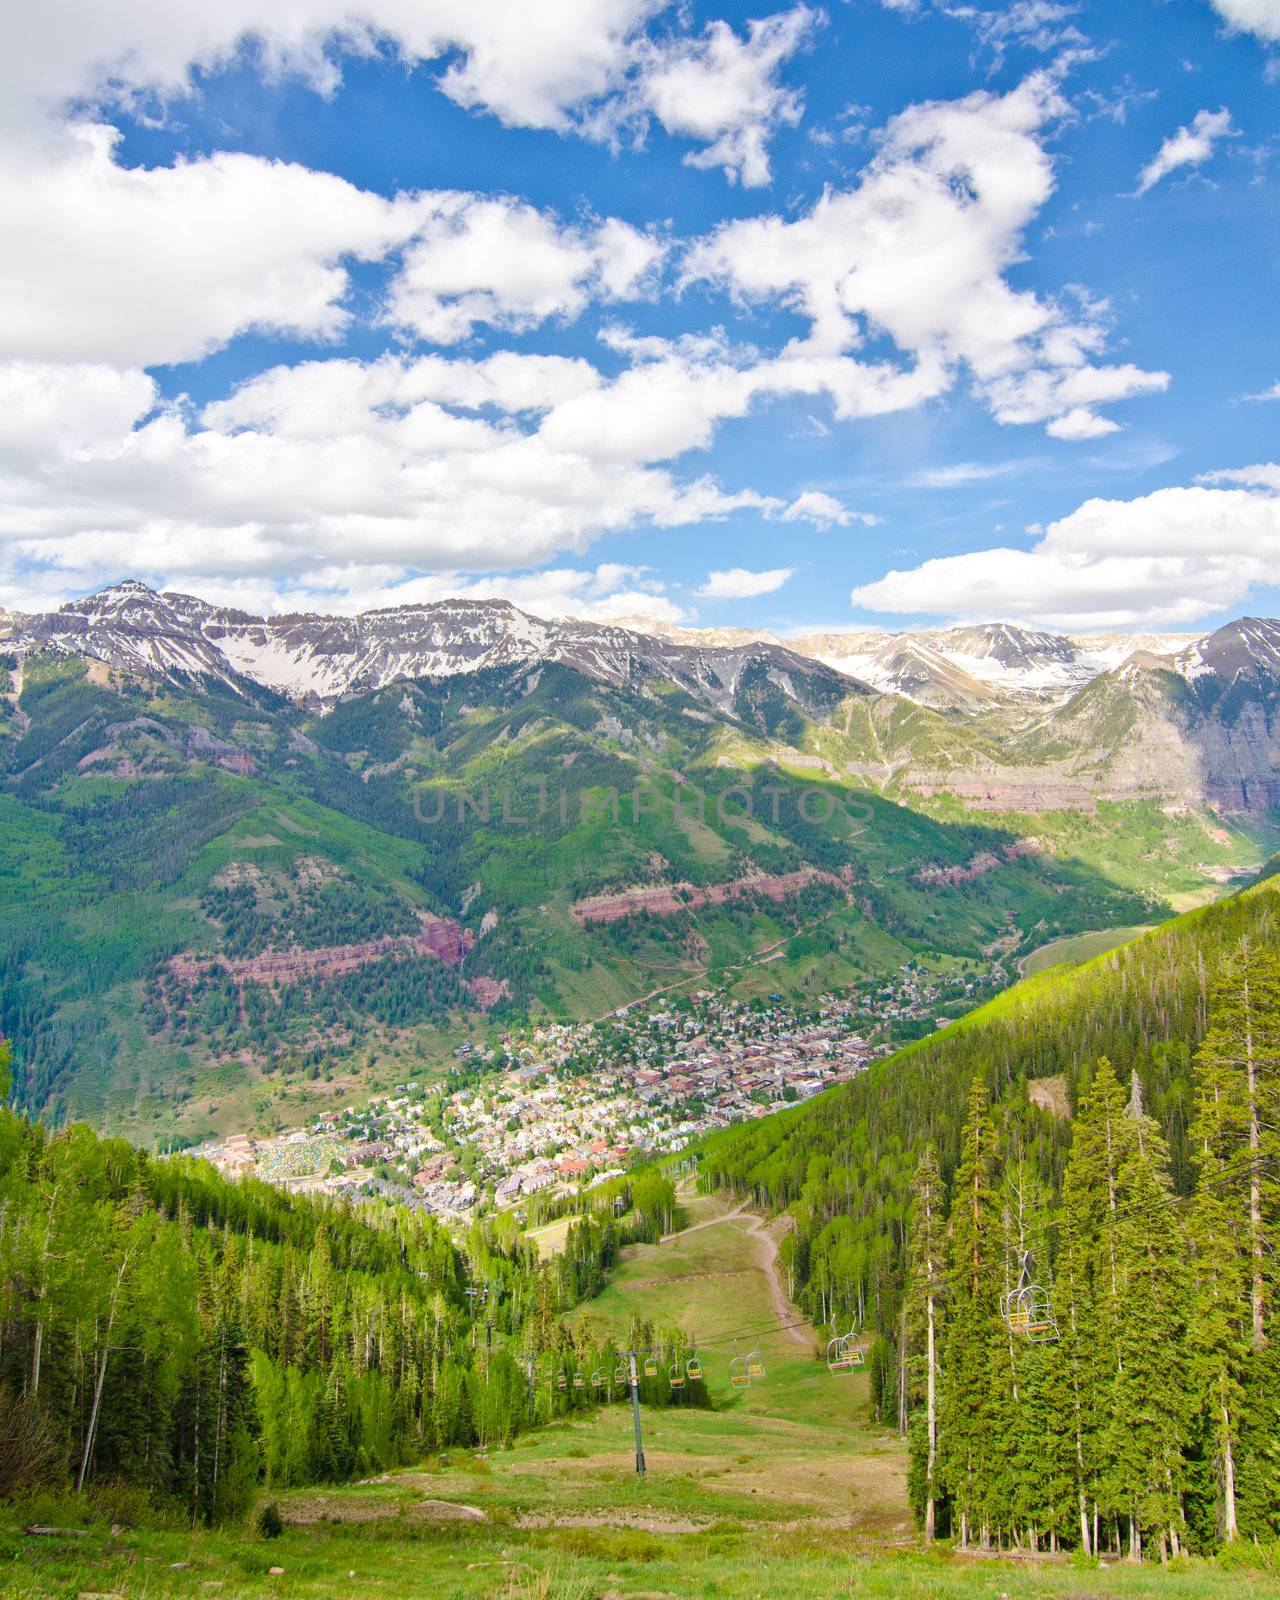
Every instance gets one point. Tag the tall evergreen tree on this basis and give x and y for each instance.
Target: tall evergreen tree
(972, 1419)
(924, 1322)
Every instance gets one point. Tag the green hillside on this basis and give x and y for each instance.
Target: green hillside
(142, 823)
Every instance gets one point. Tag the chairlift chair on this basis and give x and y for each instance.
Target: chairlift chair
(579, 1381)
(738, 1378)
(620, 1374)
(1027, 1310)
(839, 1359)
(755, 1364)
(562, 1379)
(597, 1379)
(650, 1367)
(675, 1377)
(694, 1369)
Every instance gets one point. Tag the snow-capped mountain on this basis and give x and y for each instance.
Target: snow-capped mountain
(1029, 720)
(958, 669)
(970, 668)
(317, 659)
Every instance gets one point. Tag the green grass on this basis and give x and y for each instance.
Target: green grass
(786, 1492)
(1077, 947)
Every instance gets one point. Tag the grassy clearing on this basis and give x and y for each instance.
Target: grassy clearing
(784, 1492)
(1077, 947)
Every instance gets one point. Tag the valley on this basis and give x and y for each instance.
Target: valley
(226, 898)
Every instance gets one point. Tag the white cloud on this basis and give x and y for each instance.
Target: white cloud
(585, 67)
(736, 583)
(958, 473)
(723, 91)
(1263, 395)
(499, 261)
(529, 76)
(156, 265)
(825, 511)
(1165, 559)
(920, 249)
(147, 265)
(1191, 146)
(1081, 423)
(1259, 17)
(601, 594)
(1043, 25)
(311, 466)
(674, 394)
(1266, 475)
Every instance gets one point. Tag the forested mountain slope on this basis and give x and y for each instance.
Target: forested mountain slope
(850, 1153)
(1144, 1203)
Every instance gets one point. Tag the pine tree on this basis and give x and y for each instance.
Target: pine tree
(1239, 1063)
(925, 1293)
(1219, 1324)
(1146, 1400)
(1090, 1277)
(970, 1431)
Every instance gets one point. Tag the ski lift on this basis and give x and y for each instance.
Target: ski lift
(693, 1367)
(839, 1357)
(579, 1381)
(597, 1379)
(857, 1352)
(755, 1364)
(675, 1377)
(650, 1367)
(738, 1376)
(1027, 1311)
(620, 1375)
(562, 1379)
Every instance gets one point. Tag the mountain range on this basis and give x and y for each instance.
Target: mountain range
(317, 658)
(1025, 720)
(247, 863)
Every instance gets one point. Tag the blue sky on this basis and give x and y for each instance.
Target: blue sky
(869, 315)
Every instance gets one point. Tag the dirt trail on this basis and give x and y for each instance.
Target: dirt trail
(782, 1306)
(768, 1262)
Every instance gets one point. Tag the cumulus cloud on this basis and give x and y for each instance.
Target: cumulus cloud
(737, 583)
(676, 391)
(920, 249)
(1191, 146)
(500, 261)
(150, 265)
(301, 467)
(722, 91)
(1165, 559)
(1259, 17)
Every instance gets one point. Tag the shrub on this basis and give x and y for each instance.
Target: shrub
(31, 1455)
(270, 1523)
